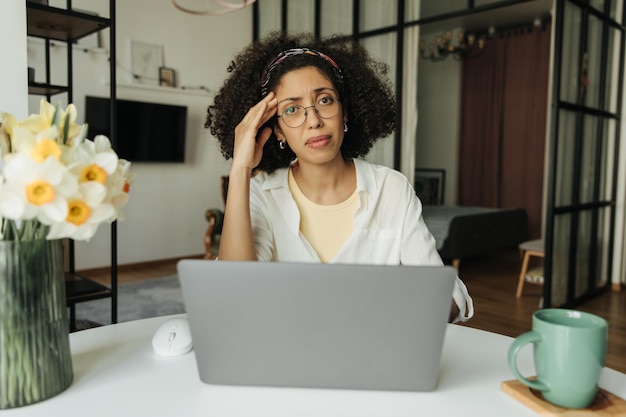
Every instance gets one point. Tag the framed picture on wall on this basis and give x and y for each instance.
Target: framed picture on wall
(146, 59)
(430, 185)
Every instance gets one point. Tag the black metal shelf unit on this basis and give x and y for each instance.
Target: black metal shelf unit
(67, 25)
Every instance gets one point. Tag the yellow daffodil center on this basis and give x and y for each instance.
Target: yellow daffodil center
(39, 193)
(78, 212)
(45, 148)
(93, 172)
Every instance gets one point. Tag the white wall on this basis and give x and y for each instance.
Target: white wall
(13, 73)
(439, 107)
(165, 215)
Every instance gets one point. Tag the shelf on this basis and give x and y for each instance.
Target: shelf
(68, 26)
(45, 89)
(61, 24)
(79, 289)
(169, 90)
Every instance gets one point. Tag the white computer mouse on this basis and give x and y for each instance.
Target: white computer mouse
(172, 338)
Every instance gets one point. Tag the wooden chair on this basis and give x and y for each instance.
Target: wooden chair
(528, 249)
(215, 217)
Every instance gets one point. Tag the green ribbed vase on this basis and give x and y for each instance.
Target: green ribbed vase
(35, 358)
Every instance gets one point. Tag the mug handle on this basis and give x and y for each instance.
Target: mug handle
(520, 341)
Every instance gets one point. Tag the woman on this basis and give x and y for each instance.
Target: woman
(295, 115)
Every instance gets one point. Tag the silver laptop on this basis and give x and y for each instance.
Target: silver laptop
(317, 325)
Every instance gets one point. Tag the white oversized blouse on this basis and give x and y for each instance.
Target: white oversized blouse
(388, 225)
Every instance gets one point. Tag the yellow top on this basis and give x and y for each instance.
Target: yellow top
(325, 227)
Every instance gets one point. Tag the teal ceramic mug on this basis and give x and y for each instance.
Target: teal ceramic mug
(569, 352)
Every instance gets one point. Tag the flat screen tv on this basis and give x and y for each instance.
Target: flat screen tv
(146, 132)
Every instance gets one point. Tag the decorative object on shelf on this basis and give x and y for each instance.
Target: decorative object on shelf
(468, 46)
(167, 77)
(210, 7)
(146, 59)
(54, 184)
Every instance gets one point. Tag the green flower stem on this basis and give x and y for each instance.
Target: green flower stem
(29, 230)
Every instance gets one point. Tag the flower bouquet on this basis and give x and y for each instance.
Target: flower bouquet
(54, 183)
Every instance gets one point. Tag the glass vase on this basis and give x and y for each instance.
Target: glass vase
(35, 358)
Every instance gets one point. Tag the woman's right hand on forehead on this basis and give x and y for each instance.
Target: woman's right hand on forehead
(251, 135)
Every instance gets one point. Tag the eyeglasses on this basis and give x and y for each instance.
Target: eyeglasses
(325, 107)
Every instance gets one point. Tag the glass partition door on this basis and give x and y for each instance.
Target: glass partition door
(584, 147)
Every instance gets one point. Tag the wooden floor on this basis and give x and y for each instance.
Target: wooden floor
(491, 281)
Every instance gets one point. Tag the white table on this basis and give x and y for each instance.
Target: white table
(117, 374)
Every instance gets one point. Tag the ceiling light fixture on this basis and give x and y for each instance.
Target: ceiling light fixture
(468, 46)
(210, 7)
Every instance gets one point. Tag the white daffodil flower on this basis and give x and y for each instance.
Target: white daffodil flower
(36, 146)
(51, 116)
(118, 187)
(41, 187)
(94, 161)
(11, 206)
(85, 211)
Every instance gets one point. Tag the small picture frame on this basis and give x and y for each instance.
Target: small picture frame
(167, 77)
(430, 186)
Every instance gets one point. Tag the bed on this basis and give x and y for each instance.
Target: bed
(462, 232)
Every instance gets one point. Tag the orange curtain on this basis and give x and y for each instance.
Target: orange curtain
(503, 126)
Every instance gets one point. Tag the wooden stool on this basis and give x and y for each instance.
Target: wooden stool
(528, 249)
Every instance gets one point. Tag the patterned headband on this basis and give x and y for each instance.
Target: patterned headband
(287, 54)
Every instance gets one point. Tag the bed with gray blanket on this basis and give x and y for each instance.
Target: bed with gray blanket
(462, 232)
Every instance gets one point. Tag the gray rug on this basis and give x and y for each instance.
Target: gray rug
(137, 300)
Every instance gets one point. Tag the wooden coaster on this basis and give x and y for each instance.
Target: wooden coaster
(605, 404)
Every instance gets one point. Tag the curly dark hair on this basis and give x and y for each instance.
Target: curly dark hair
(362, 84)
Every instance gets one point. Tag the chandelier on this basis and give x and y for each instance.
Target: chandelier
(468, 46)
(210, 7)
